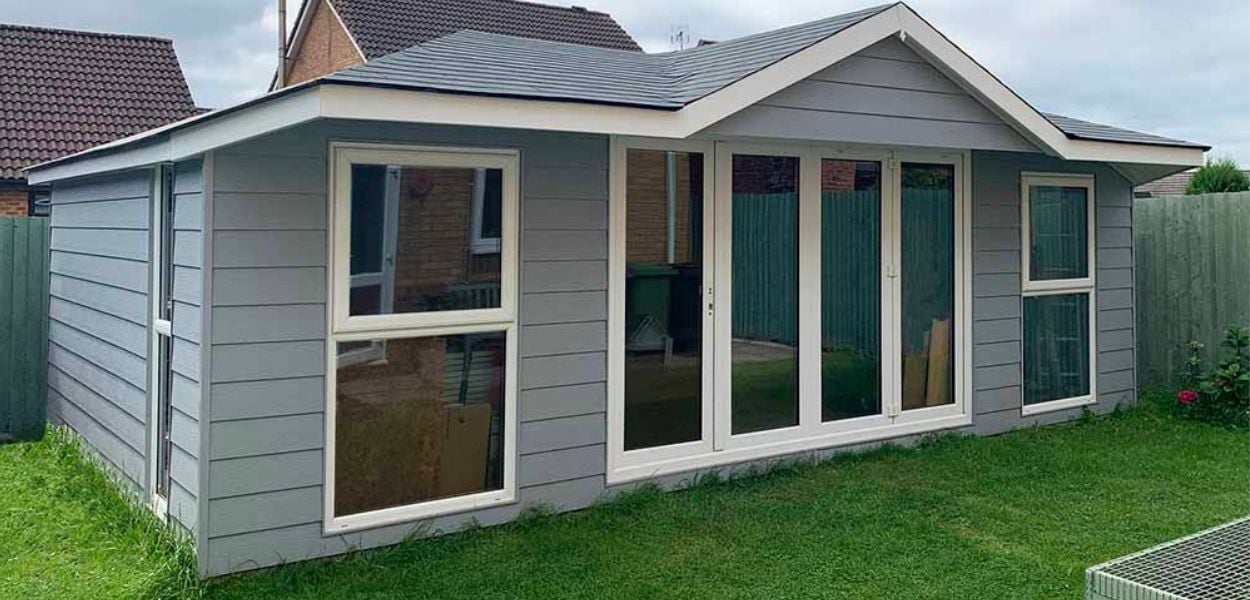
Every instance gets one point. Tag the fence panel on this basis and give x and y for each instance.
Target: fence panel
(1193, 277)
(23, 327)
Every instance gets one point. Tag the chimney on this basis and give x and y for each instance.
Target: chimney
(281, 77)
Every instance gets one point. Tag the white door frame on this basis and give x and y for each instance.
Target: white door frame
(618, 457)
(161, 329)
(811, 433)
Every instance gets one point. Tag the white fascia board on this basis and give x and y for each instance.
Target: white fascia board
(1094, 150)
(178, 141)
(385, 104)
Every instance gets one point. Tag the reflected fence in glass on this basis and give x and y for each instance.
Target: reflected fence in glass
(927, 261)
(765, 267)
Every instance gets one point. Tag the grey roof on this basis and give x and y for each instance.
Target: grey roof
(474, 62)
(1085, 130)
(483, 63)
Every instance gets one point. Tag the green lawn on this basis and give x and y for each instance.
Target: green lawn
(1015, 516)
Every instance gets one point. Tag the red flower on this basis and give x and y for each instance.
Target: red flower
(1186, 397)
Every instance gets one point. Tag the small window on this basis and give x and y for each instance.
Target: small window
(1058, 288)
(427, 236)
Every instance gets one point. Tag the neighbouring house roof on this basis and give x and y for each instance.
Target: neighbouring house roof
(1172, 185)
(473, 78)
(490, 64)
(64, 91)
(381, 27)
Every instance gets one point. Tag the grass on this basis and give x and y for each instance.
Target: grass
(66, 532)
(1015, 516)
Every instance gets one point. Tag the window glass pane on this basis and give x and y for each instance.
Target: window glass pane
(422, 420)
(663, 298)
(765, 268)
(928, 284)
(412, 236)
(1056, 347)
(492, 204)
(1058, 233)
(850, 287)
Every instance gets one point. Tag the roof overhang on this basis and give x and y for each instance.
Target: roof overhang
(326, 100)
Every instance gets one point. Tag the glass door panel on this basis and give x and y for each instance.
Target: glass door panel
(664, 298)
(927, 303)
(764, 371)
(850, 287)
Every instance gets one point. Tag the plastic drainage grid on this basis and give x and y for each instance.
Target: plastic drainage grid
(1211, 565)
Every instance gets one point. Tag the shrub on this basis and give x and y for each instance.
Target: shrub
(1218, 176)
(1222, 395)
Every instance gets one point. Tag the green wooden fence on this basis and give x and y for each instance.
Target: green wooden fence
(765, 275)
(23, 327)
(1193, 277)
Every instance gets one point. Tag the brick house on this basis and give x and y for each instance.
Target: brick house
(334, 34)
(64, 91)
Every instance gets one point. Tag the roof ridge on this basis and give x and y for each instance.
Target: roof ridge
(870, 11)
(84, 32)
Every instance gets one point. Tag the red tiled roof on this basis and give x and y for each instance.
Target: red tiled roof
(65, 91)
(1172, 185)
(381, 27)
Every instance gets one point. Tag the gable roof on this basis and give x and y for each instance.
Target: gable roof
(498, 65)
(380, 27)
(64, 91)
(488, 80)
(475, 62)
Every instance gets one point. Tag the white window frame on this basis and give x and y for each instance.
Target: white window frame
(344, 154)
(1060, 287)
(477, 243)
(811, 433)
(161, 326)
(378, 328)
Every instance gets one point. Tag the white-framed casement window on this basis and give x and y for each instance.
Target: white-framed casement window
(421, 356)
(1058, 293)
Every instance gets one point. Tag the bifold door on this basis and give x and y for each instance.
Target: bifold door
(797, 299)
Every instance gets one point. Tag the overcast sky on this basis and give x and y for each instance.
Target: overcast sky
(1171, 67)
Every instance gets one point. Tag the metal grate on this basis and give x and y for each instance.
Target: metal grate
(1212, 565)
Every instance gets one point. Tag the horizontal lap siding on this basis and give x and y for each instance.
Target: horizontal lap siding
(97, 373)
(996, 307)
(268, 320)
(187, 321)
(885, 94)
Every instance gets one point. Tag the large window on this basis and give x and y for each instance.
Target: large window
(1058, 288)
(421, 407)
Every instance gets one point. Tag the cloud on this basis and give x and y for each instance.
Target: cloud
(1179, 69)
